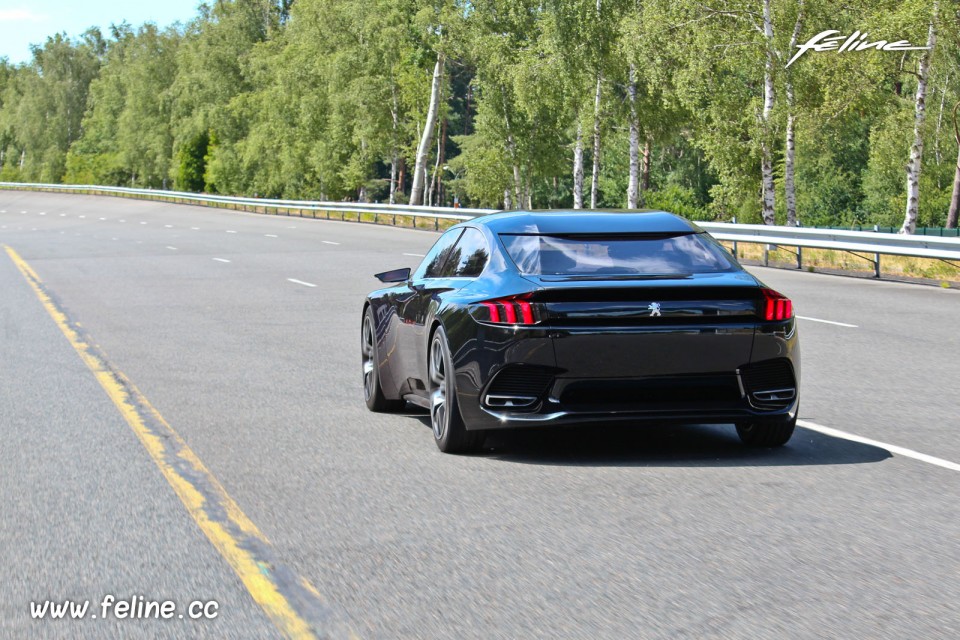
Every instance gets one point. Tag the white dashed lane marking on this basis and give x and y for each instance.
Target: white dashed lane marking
(295, 281)
(329, 242)
(892, 448)
(839, 324)
(221, 260)
(415, 255)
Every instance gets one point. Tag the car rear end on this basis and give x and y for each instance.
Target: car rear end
(663, 327)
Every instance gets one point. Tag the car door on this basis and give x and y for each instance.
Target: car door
(413, 307)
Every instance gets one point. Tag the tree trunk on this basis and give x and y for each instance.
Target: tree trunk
(512, 149)
(578, 169)
(645, 180)
(955, 198)
(936, 136)
(916, 150)
(633, 184)
(362, 193)
(435, 178)
(443, 159)
(423, 149)
(507, 199)
(394, 113)
(401, 175)
(766, 162)
(595, 177)
(790, 194)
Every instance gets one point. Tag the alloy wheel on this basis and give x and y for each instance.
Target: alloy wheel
(438, 393)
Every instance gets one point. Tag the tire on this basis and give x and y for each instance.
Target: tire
(449, 431)
(766, 434)
(370, 361)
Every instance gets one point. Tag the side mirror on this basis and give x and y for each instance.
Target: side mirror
(397, 275)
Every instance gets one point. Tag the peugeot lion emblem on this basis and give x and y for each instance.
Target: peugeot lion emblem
(654, 309)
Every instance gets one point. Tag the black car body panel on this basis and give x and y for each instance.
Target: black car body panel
(685, 347)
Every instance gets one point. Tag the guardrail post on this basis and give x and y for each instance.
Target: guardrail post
(436, 224)
(876, 265)
(800, 258)
(766, 255)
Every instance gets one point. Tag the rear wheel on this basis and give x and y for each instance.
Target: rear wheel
(765, 433)
(449, 431)
(370, 358)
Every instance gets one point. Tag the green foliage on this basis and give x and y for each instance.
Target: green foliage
(191, 162)
(327, 99)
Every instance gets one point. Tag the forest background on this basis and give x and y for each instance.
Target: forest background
(683, 105)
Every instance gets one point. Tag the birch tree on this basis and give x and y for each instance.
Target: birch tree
(790, 153)
(426, 138)
(955, 194)
(766, 162)
(920, 108)
(633, 181)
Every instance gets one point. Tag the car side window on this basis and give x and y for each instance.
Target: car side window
(470, 255)
(436, 259)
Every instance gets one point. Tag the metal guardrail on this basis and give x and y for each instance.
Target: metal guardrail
(855, 242)
(864, 244)
(263, 205)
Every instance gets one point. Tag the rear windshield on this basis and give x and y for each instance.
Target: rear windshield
(643, 255)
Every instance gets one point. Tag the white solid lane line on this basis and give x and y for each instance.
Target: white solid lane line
(221, 260)
(839, 324)
(892, 448)
(306, 284)
(329, 242)
(415, 255)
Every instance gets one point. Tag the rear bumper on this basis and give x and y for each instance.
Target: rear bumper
(708, 375)
(551, 413)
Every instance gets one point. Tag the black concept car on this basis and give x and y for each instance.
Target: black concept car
(520, 319)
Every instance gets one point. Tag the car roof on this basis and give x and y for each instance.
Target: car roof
(585, 221)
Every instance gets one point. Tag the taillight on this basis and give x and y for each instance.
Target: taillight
(510, 311)
(776, 306)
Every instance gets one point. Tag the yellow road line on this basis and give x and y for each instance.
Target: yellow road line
(291, 602)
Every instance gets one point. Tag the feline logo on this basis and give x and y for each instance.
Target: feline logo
(857, 41)
(654, 308)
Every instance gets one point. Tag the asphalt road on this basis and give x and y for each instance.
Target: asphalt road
(585, 533)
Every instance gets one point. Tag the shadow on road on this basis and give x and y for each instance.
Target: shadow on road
(666, 446)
